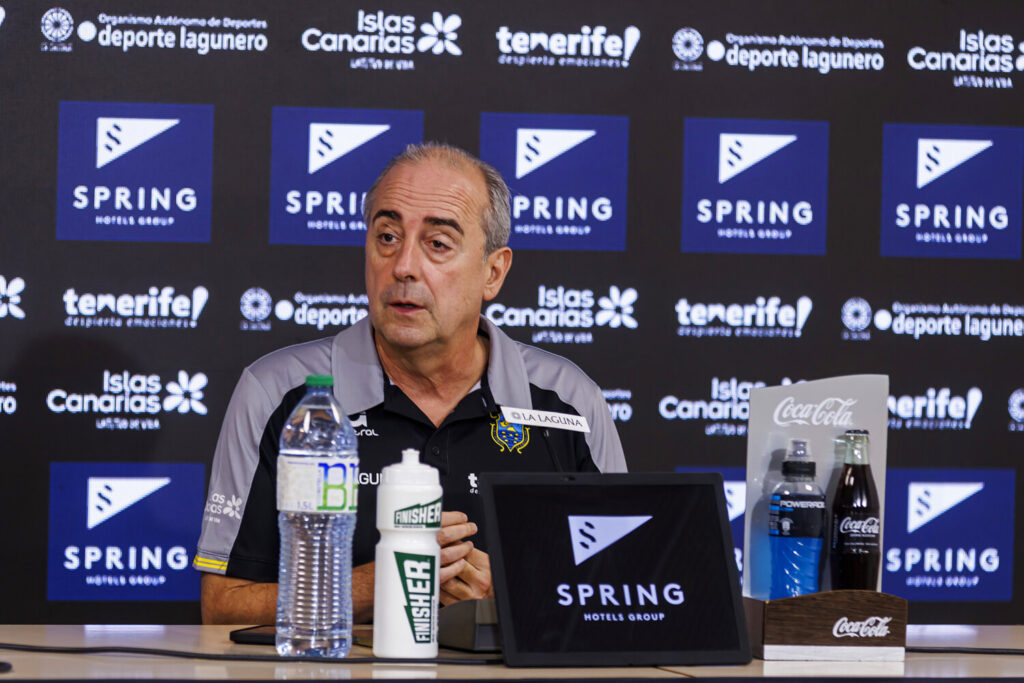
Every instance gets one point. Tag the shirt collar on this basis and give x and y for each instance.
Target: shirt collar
(359, 377)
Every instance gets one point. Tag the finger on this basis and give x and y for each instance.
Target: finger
(455, 533)
(476, 579)
(451, 553)
(448, 572)
(447, 598)
(453, 517)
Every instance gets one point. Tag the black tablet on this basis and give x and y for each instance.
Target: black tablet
(614, 569)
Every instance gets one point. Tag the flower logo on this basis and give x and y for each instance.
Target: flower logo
(233, 508)
(440, 35)
(10, 297)
(186, 394)
(617, 308)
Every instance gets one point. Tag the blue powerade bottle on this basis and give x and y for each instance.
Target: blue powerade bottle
(796, 526)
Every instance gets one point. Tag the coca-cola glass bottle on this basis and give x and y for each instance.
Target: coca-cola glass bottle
(855, 553)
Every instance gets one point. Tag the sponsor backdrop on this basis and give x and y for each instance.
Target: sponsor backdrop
(708, 197)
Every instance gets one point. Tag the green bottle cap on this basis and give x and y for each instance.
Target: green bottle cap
(319, 381)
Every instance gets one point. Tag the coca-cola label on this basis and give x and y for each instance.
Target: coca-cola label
(868, 526)
(872, 627)
(830, 412)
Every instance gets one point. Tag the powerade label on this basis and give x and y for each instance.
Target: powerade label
(306, 484)
(796, 515)
(423, 516)
(322, 163)
(135, 172)
(952, 191)
(417, 573)
(755, 186)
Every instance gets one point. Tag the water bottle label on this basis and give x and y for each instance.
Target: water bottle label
(797, 515)
(307, 484)
(418, 576)
(421, 516)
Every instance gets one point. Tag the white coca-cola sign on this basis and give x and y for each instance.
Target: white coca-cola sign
(872, 627)
(868, 526)
(831, 412)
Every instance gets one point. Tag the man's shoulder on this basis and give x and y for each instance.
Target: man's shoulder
(550, 372)
(286, 368)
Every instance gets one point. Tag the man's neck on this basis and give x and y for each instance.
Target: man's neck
(434, 381)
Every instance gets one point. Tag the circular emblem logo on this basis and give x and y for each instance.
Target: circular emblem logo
(255, 305)
(1017, 405)
(57, 25)
(856, 314)
(688, 44)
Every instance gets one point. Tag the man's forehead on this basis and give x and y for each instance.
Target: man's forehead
(432, 184)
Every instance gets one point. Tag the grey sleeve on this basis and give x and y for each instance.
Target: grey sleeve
(234, 463)
(603, 439)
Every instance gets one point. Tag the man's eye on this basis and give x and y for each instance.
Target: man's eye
(386, 237)
(438, 244)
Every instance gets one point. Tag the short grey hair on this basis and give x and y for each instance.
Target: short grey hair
(497, 220)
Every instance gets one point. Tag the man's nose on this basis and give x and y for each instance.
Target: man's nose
(407, 261)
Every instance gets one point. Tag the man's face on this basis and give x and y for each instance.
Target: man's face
(425, 268)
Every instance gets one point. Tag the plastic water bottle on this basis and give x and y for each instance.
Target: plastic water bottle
(317, 473)
(796, 526)
(408, 560)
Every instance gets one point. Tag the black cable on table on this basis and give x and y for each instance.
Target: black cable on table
(182, 654)
(965, 650)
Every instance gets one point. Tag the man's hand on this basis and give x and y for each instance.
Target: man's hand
(465, 570)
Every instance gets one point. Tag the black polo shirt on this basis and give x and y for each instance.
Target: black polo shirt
(240, 534)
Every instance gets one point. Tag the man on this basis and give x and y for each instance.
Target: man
(424, 370)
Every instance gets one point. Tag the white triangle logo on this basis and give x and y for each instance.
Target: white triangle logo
(926, 501)
(115, 137)
(590, 534)
(936, 158)
(537, 146)
(328, 142)
(108, 496)
(737, 152)
(735, 498)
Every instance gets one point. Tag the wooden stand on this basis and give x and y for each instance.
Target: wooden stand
(830, 626)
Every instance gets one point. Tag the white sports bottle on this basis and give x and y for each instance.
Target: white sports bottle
(408, 560)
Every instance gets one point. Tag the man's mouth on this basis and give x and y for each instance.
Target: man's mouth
(407, 306)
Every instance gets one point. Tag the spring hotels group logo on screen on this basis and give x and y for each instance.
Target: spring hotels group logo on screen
(567, 175)
(755, 187)
(135, 172)
(957, 543)
(117, 531)
(322, 163)
(952, 191)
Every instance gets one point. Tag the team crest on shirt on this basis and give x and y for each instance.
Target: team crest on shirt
(509, 436)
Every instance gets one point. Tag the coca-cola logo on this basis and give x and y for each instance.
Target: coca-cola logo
(868, 526)
(872, 627)
(834, 412)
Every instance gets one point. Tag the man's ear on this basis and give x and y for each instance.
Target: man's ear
(498, 263)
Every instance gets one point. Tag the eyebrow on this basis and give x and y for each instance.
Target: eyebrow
(432, 220)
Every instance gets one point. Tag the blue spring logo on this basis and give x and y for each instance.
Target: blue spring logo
(117, 531)
(568, 178)
(135, 172)
(949, 534)
(755, 187)
(323, 162)
(952, 191)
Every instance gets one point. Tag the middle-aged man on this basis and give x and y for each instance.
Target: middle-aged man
(425, 370)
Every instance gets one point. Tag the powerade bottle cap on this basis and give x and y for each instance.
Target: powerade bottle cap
(798, 459)
(410, 472)
(319, 381)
